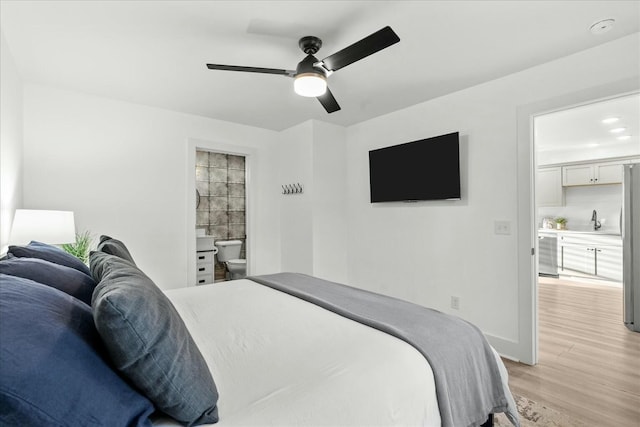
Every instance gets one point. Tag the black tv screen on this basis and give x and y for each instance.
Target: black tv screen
(428, 169)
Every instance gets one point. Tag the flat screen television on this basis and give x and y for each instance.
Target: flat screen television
(428, 169)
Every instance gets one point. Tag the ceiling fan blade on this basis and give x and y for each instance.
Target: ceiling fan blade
(367, 46)
(289, 73)
(329, 102)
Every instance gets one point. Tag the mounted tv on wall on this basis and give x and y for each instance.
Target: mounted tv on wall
(428, 169)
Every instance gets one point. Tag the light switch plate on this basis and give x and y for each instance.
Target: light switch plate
(502, 227)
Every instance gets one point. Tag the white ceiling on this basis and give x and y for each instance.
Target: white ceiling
(154, 52)
(579, 133)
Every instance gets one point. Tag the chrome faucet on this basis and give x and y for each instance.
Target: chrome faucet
(594, 218)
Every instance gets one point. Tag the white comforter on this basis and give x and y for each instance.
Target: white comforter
(281, 361)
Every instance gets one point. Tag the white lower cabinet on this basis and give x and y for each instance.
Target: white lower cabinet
(592, 254)
(576, 258)
(609, 262)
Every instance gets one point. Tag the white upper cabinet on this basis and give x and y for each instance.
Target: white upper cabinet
(608, 173)
(577, 175)
(592, 174)
(549, 191)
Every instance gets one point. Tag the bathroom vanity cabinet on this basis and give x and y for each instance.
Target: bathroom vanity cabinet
(205, 251)
(594, 254)
(204, 267)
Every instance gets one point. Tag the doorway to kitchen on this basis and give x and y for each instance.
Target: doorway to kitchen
(580, 158)
(580, 153)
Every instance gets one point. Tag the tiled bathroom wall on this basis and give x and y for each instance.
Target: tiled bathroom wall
(220, 180)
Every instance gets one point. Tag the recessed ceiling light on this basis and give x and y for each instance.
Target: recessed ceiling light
(624, 137)
(617, 130)
(602, 27)
(610, 120)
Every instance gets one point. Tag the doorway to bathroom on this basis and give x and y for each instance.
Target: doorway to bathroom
(221, 205)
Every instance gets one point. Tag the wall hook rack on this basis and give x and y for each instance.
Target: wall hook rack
(292, 189)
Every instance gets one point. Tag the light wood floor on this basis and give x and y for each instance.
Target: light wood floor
(589, 363)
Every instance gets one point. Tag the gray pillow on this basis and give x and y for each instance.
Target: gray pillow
(48, 253)
(114, 247)
(66, 279)
(149, 343)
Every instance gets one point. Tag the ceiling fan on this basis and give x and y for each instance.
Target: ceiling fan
(311, 75)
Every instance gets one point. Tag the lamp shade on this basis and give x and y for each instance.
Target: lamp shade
(52, 227)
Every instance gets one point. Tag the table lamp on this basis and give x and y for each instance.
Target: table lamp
(45, 226)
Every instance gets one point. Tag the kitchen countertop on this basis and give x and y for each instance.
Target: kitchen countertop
(553, 230)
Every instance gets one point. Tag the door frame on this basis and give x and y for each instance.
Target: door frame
(249, 153)
(527, 227)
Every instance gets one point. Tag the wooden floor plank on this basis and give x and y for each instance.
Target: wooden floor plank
(589, 363)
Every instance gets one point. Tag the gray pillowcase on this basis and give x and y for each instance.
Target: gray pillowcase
(149, 343)
(115, 247)
(66, 279)
(48, 253)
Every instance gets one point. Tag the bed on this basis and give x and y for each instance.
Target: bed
(277, 351)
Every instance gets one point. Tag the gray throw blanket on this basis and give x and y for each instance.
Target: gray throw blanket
(467, 378)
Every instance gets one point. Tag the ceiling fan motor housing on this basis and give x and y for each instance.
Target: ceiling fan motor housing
(306, 67)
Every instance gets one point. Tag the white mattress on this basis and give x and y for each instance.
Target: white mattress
(281, 361)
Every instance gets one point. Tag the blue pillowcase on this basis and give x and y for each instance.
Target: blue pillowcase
(149, 343)
(49, 253)
(115, 247)
(53, 368)
(66, 279)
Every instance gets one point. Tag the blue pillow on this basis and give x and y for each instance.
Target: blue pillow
(53, 370)
(67, 279)
(149, 343)
(49, 253)
(115, 247)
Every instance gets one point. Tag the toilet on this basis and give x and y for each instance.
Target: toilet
(229, 253)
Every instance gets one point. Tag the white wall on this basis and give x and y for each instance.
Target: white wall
(11, 164)
(314, 224)
(122, 168)
(429, 251)
(295, 154)
(329, 202)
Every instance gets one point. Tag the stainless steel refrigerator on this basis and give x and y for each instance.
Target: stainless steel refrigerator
(630, 227)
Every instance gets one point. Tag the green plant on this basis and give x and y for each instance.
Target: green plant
(560, 220)
(80, 249)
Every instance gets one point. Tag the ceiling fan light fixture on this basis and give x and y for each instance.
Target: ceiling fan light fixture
(310, 84)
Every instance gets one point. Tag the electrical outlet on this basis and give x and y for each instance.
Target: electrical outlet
(455, 303)
(502, 227)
